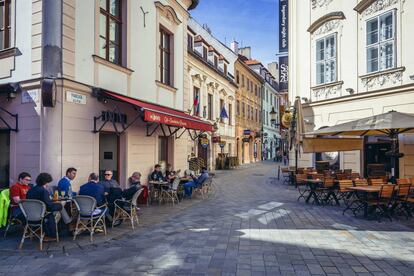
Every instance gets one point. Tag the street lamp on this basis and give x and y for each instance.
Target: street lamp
(273, 116)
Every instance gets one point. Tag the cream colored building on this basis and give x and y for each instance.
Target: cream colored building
(351, 59)
(99, 85)
(211, 88)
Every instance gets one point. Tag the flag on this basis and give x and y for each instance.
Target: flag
(196, 105)
(223, 113)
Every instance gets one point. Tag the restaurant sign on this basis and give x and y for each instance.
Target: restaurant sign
(204, 142)
(151, 116)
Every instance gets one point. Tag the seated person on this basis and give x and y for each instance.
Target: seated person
(93, 189)
(156, 175)
(18, 193)
(64, 185)
(40, 192)
(108, 182)
(170, 174)
(135, 179)
(197, 182)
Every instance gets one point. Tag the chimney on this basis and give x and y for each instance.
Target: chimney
(246, 51)
(235, 47)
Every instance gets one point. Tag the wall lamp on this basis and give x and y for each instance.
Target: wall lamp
(412, 77)
(306, 100)
(350, 91)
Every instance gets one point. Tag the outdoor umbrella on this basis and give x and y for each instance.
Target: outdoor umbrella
(297, 129)
(390, 124)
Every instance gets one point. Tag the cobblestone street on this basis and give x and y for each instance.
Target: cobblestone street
(250, 225)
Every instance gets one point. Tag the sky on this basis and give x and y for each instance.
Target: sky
(250, 22)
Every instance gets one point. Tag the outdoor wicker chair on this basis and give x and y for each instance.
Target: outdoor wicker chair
(285, 174)
(401, 205)
(89, 217)
(172, 192)
(377, 181)
(127, 209)
(34, 211)
(302, 186)
(360, 182)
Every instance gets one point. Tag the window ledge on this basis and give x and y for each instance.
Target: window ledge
(112, 65)
(384, 72)
(166, 86)
(10, 52)
(327, 85)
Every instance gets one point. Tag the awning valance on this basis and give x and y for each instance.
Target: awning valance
(311, 145)
(163, 115)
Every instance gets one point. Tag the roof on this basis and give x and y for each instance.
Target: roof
(253, 62)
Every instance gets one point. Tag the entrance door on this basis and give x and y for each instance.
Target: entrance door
(4, 158)
(108, 154)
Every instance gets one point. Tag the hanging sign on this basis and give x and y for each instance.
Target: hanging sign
(283, 26)
(204, 142)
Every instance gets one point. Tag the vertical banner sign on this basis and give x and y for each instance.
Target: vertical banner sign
(283, 73)
(283, 26)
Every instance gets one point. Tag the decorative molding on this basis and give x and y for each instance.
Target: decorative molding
(196, 77)
(222, 91)
(368, 7)
(392, 76)
(168, 12)
(320, 3)
(324, 20)
(327, 91)
(329, 27)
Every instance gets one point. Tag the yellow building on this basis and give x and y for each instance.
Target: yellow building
(248, 112)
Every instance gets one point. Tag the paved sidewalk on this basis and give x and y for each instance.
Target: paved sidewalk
(253, 225)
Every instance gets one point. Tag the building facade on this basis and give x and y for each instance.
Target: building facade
(271, 141)
(248, 111)
(349, 60)
(94, 85)
(211, 93)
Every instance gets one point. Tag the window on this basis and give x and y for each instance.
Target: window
(210, 106)
(215, 61)
(190, 42)
(221, 108)
(255, 90)
(196, 97)
(267, 96)
(256, 115)
(237, 77)
(248, 112)
(110, 35)
(244, 110)
(326, 60)
(225, 69)
(381, 42)
(238, 108)
(5, 25)
(166, 68)
(204, 53)
(230, 113)
(242, 80)
(248, 85)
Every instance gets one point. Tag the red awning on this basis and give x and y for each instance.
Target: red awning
(164, 115)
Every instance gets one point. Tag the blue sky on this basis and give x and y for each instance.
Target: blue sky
(251, 22)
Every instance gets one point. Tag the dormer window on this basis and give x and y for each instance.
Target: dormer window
(190, 42)
(225, 69)
(5, 24)
(215, 61)
(205, 52)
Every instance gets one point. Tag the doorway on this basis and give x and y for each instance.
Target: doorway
(202, 152)
(108, 154)
(4, 158)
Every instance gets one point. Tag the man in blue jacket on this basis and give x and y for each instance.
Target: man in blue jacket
(64, 185)
(93, 189)
(197, 182)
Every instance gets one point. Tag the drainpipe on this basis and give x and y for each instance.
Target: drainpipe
(52, 38)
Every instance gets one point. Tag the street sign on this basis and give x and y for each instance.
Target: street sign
(222, 144)
(247, 132)
(204, 142)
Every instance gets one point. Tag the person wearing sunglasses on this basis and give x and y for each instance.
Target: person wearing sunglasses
(108, 182)
(18, 193)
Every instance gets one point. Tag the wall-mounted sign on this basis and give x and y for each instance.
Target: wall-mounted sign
(222, 144)
(247, 132)
(216, 139)
(76, 98)
(283, 26)
(30, 96)
(283, 74)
